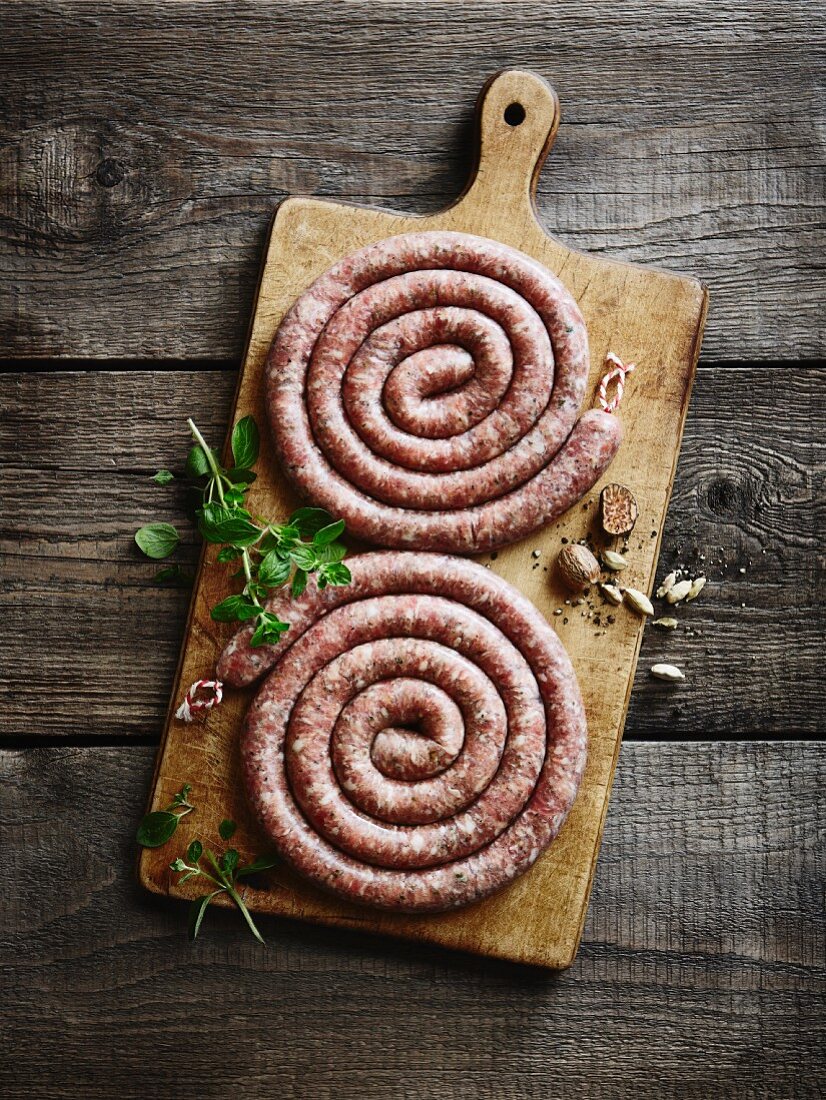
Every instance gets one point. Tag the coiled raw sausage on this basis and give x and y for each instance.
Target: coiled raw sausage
(421, 737)
(426, 390)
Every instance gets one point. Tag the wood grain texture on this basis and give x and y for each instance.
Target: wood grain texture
(701, 972)
(143, 149)
(77, 452)
(647, 316)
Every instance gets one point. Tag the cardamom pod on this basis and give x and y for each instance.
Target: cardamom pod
(666, 623)
(697, 586)
(667, 672)
(667, 585)
(611, 593)
(638, 601)
(614, 561)
(678, 592)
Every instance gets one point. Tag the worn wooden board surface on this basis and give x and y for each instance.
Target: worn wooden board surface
(701, 971)
(650, 317)
(143, 149)
(77, 452)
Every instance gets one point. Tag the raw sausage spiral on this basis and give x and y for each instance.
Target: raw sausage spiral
(421, 737)
(426, 390)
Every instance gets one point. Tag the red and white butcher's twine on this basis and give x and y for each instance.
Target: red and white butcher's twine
(192, 703)
(619, 372)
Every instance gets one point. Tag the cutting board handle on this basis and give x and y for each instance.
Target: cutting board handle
(517, 118)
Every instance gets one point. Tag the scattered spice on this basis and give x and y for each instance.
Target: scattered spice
(611, 593)
(697, 586)
(678, 591)
(614, 561)
(638, 601)
(667, 672)
(577, 566)
(667, 585)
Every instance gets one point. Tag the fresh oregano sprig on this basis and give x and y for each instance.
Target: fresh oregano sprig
(224, 873)
(158, 827)
(270, 555)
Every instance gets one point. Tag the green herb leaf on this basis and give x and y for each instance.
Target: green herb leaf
(197, 464)
(267, 543)
(226, 829)
(163, 477)
(228, 553)
(262, 863)
(196, 913)
(269, 629)
(299, 583)
(335, 573)
(245, 477)
(194, 851)
(328, 534)
(219, 524)
(229, 862)
(156, 829)
(157, 540)
(178, 865)
(333, 551)
(304, 557)
(310, 520)
(287, 536)
(182, 797)
(234, 496)
(245, 442)
(274, 569)
(234, 609)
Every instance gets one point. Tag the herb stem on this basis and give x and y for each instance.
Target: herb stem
(216, 473)
(200, 871)
(211, 857)
(233, 893)
(211, 878)
(236, 897)
(247, 563)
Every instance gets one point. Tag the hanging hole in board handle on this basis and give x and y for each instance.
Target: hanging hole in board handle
(514, 114)
(517, 117)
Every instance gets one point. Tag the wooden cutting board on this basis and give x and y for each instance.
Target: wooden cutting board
(647, 316)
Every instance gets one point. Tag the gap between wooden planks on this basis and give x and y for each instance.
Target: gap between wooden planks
(652, 317)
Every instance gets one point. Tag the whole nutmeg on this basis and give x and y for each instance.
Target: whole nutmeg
(577, 566)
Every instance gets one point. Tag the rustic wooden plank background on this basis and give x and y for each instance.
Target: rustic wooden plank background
(145, 167)
(142, 149)
(700, 973)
